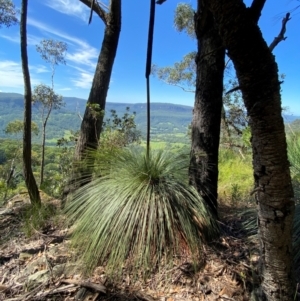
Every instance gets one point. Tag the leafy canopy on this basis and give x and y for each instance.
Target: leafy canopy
(8, 13)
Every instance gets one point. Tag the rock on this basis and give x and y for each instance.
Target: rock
(66, 269)
(38, 278)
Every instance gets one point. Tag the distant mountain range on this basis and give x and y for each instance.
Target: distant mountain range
(166, 119)
(169, 122)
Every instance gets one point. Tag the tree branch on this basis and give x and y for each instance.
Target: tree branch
(281, 36)
(94, 6)
(160, 1)
(256, 8)
(275, 42)
(181, 87)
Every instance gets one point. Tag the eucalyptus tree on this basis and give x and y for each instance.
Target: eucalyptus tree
(27, 169)
(257, 74)
(92, 120)
(52, 52)
(8, 13)
(46, 100)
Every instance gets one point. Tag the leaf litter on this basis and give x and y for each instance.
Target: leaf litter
(45, 267)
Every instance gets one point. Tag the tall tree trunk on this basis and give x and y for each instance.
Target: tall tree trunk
(206, 122)
(28, 174)
(258, 79)
(93, 118)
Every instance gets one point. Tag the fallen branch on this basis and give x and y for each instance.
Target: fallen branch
(94, 286)
(63, 289)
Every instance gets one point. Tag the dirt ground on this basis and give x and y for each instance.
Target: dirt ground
(45, 267)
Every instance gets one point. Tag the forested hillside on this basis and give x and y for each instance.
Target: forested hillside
(166, 119)
(169, 122)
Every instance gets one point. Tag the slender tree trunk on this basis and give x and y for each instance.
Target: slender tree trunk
(44, 142)
(258, 79)
(92, 123)
(207, 108)
(43, 153)
(28, 174)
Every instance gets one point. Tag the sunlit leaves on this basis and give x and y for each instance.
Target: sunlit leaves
(45, 95)
(17, 127)
(184, 19)
(182, 74)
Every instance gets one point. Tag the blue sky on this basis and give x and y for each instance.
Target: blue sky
(66, 20)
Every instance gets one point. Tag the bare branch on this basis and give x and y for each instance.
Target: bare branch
(176, 85)
(281, 36)
(95, 6)
(275, 42)
(233, 89)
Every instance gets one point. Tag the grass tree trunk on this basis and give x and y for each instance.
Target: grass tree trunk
(206, 122)
(93, 117)
(28, 174)
(258, 78)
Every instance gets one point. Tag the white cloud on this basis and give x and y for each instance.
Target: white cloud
(11, 75)
(85, 54)
(15, 39)
(69, 7)
(84, 79)
(39, 69)
(65, 89)
(31, 39)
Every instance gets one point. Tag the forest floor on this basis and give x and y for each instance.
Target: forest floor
(45, 267)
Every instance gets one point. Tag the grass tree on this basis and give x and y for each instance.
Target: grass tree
(47, 100)
(140, 212)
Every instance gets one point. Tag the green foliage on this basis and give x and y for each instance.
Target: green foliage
(17, 126)
(235, 176)
(140, 213)
(182, 74)
(46, 99)
(184, 19)
(8, 13)
(294, 159)
(121, 129)
(95, 110)
(37, 217)
(52, 51)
